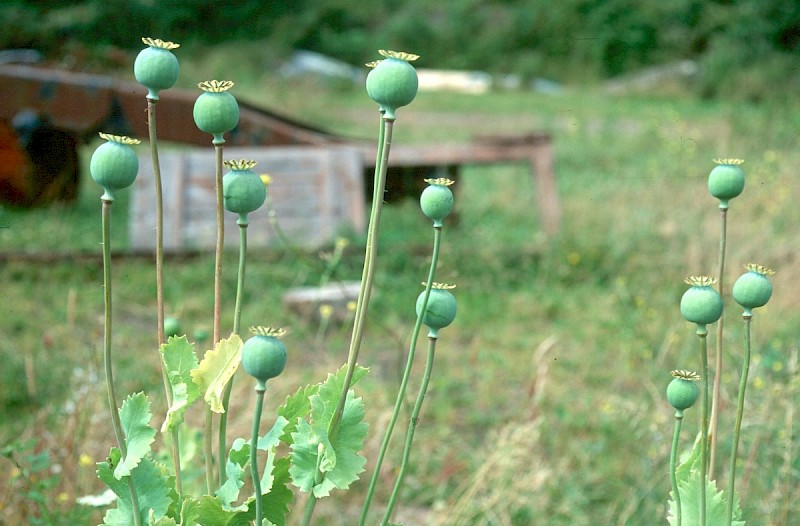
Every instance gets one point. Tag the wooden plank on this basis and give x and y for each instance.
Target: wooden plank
(315, 193)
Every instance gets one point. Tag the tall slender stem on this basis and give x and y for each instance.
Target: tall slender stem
(673, 463)
(260, 389)
(702, 333)
(368, 274)
(208, 446)
(406, 374)
(412, 426)
(739, 415)
(151, 127)
(367, 279)
(719, 344)
(109, 371)
(222, 444)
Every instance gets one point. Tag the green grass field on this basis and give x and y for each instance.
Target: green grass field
(547, 404)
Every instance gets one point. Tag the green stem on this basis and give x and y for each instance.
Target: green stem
(702, 333)
(312, 500)
(719, 343)
(406, 374)
(222, 443)
(367, 278)
(412, 426)
(368, 274)
(739, 414)
(673, 462)
(109, 372)
(260, 389)
(151, 127)
(218, 142)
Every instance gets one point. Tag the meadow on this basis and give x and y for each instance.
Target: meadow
(547, 404)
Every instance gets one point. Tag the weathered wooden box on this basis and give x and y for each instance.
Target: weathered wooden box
(315, 193)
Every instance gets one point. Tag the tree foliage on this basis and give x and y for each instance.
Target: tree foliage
(744, 47)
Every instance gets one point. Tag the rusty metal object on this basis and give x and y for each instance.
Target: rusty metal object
(85, 104)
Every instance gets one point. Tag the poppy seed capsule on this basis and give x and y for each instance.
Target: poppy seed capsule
(436, 200)
(441, 308)
(216, 111)
(114, 165)
(726, 180)
(393, 81)
(682, 391)
(243, 191)
(155, 67)
(753, 289)
(701, 303)
(264, 354)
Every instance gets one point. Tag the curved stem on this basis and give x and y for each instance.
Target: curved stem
(368, 274)
(739, 414)
(109, 371)
(222, 444)
(702, 333)
(151, 127)
(412, 426)
(718, 358)
(260, 389)
(406, 374)
(673, 463)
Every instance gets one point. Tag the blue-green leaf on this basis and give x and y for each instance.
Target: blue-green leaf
(179, 360)
(135, 417)
(152, 490)
(238, 459)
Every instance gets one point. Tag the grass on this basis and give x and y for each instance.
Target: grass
(547, 405)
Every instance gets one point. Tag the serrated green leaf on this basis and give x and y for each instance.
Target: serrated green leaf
(179, 360)
(208, 511)
(340, 463)
(276, 502)
(152, 490)
(689, 460)
(216, 369)
(163, 521)
(238, 458)
(716, 504)
(296, 406)
(135, 418)
(269, 443)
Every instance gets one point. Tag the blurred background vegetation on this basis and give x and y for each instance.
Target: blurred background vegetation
(547, 404)
(744, 48)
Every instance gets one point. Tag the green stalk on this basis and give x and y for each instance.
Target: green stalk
(312, 500)
(739, 414)
(720, 330)
(673, 463)
(412, 426)
(237, 318)
(406, 374)
(260, 390)
(702, 333)
(207, 446)
(368, 274)
(109, 372)
(367, 279)
(151, 127)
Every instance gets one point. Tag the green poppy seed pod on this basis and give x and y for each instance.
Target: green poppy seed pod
(682, 390)
(726, 180)
(753, 289)
(155, 67)
(216, 111)
(243, 191)
(701, 303)
(172, 327)
(114, 164)
(441, 308)
(436, 200)
(393, 81)
(264, 354)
